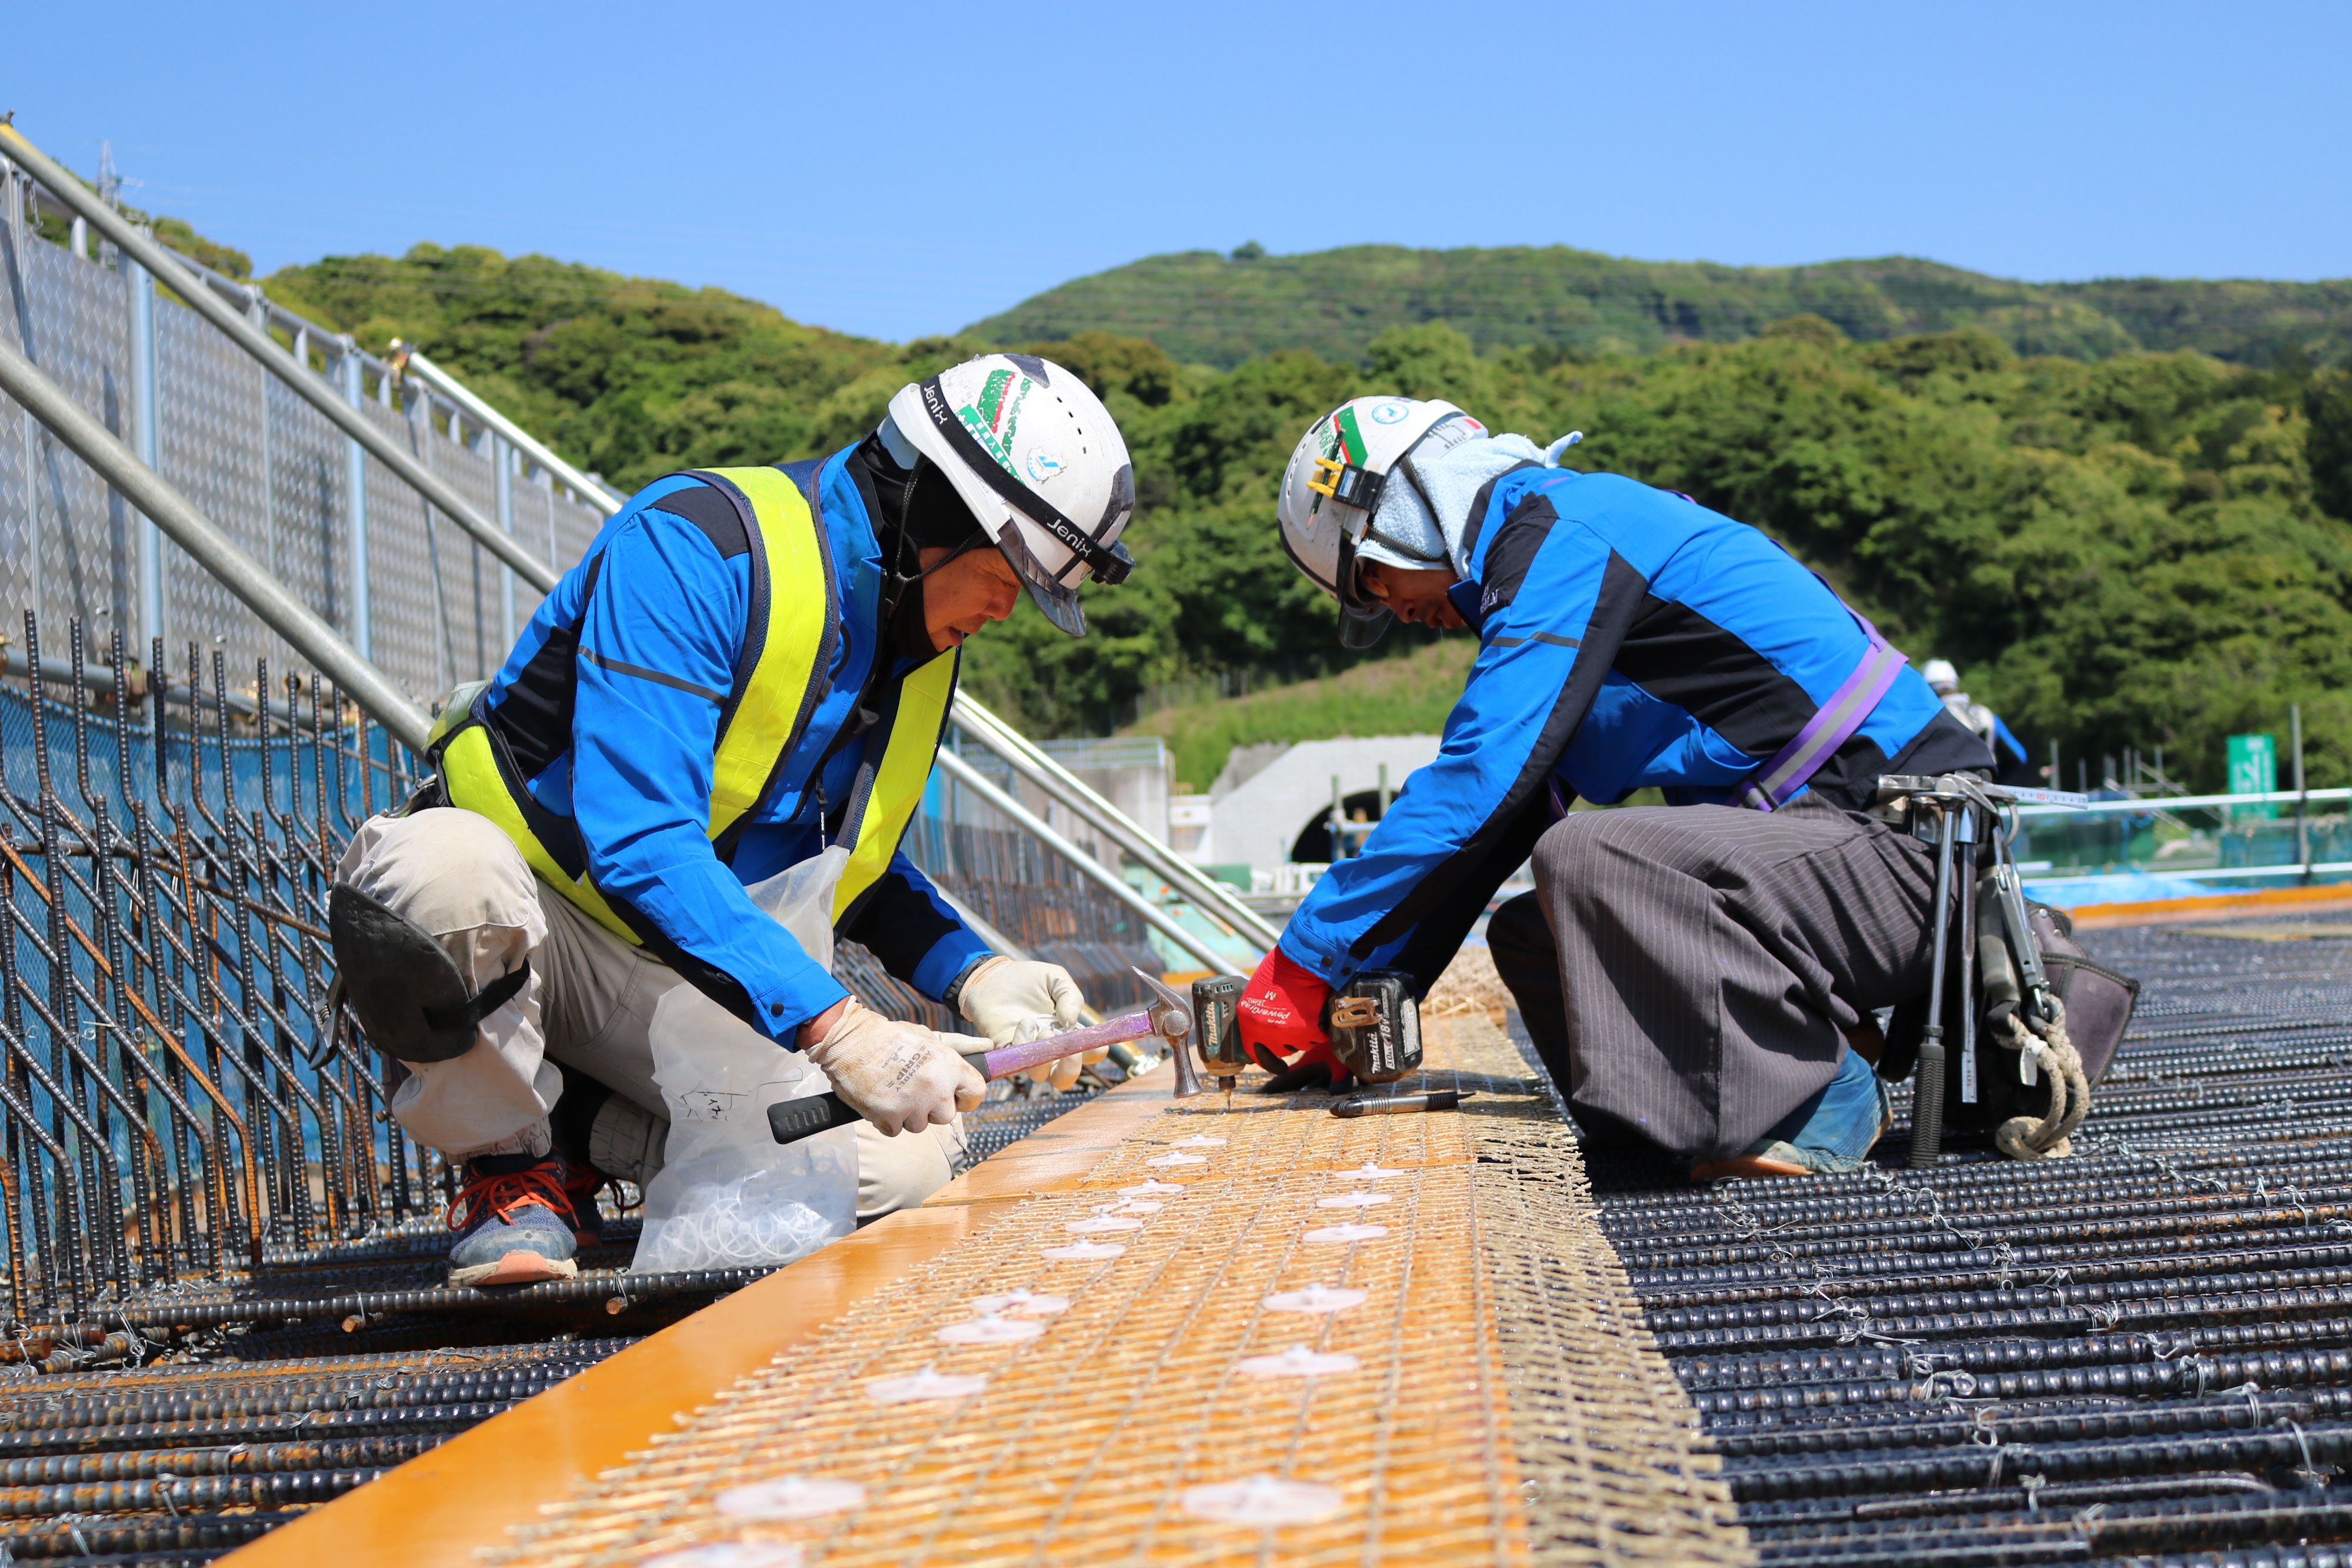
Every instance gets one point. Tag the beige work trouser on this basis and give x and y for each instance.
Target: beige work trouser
(588, 1005)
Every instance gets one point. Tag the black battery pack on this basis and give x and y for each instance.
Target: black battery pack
(1375, 1026)
(1217, 1025)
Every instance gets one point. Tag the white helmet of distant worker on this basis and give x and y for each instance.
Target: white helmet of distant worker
(1333, 486)
(1940, 675)
(1039, 462)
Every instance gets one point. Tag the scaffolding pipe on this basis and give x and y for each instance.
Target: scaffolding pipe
(313, 389)
(590, 488)
(1025, 758)
(1109, 881)
(211, 549)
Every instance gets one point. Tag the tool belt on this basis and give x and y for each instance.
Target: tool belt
(2025, 1023)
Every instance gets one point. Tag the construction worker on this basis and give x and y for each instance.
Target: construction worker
(1690, 973)
(2008, 751)
(747, 666)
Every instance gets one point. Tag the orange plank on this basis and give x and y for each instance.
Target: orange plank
(2172, 911)
(440, 1507)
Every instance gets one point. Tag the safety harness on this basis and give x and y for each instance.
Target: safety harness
(780, 676)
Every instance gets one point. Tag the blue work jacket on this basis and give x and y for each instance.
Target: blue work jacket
(621, 676)
(1629, 639)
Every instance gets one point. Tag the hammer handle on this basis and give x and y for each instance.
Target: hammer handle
(790, 1120)
(1006, 1060)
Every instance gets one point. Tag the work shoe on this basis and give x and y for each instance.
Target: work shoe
(582, 1182)
(1833, 1131)
(514, 1222)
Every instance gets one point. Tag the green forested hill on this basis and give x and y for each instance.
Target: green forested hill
(2141, 548)
(631, 377)
(1208, 308)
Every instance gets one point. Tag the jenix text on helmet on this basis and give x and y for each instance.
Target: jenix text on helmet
(1032, 452)
(1333, 490)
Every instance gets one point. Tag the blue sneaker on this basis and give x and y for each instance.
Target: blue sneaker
(513, 1220)
(1830, 1132)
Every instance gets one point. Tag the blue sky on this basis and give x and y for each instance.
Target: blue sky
(899, 170)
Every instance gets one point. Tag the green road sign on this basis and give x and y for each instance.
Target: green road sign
(2254, 770)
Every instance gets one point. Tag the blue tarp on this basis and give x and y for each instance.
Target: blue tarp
(2122, 888)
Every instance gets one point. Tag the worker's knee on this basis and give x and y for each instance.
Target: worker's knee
(899, 1172)
(1571, 847)
(449, 871)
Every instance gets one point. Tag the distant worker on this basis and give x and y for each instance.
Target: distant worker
(748, 666)
(1690, 973)
(2008, 751)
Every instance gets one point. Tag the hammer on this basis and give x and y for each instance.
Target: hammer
(790, 1120)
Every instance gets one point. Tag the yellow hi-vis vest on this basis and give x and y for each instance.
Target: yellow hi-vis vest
(780, 679)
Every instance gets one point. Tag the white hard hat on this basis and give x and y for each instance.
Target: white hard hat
(1039, 462)
(1940, 674)
(1332, 488)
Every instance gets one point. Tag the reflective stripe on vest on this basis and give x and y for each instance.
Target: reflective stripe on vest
(780, 676)
(779, 679)
(888, 795)
(471, 774)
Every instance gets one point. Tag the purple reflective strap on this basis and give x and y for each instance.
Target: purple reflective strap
(1848, 709)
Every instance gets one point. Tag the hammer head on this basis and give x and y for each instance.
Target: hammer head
(1171, 1014)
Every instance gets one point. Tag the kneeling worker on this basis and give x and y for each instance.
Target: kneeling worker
(1689, 974)
(750, 664)
(2009, 756)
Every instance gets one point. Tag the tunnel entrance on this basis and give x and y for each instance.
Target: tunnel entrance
(1313, 844)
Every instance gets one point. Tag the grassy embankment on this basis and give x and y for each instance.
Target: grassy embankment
(1409, 696)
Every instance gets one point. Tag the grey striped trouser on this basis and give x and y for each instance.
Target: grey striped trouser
(1689, 972)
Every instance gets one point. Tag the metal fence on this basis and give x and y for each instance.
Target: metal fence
(406, 588)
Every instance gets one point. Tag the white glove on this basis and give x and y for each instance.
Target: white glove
(1015, 1000)
(900, 1077)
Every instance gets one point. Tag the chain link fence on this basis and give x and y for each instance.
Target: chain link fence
(407, 587)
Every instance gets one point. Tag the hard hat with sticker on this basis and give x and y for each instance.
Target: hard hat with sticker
(1341, 464)
(1004, 427)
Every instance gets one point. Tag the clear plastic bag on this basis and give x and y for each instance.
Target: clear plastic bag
(727, 1196)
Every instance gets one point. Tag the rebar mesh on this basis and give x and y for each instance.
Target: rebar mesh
(1607, 1438)
(2140, 1354)
(1496, 1400)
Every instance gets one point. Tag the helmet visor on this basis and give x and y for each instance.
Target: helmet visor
(1359, 629)
(1058, 603)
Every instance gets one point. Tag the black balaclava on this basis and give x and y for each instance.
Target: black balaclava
(912, 511)
(916, 510)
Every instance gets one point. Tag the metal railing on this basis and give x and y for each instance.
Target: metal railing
(2261, 837)
(165, 267)
(169, 510)
(463, 404)
(1210, 896)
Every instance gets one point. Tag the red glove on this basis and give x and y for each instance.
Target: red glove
(1281, 1016)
